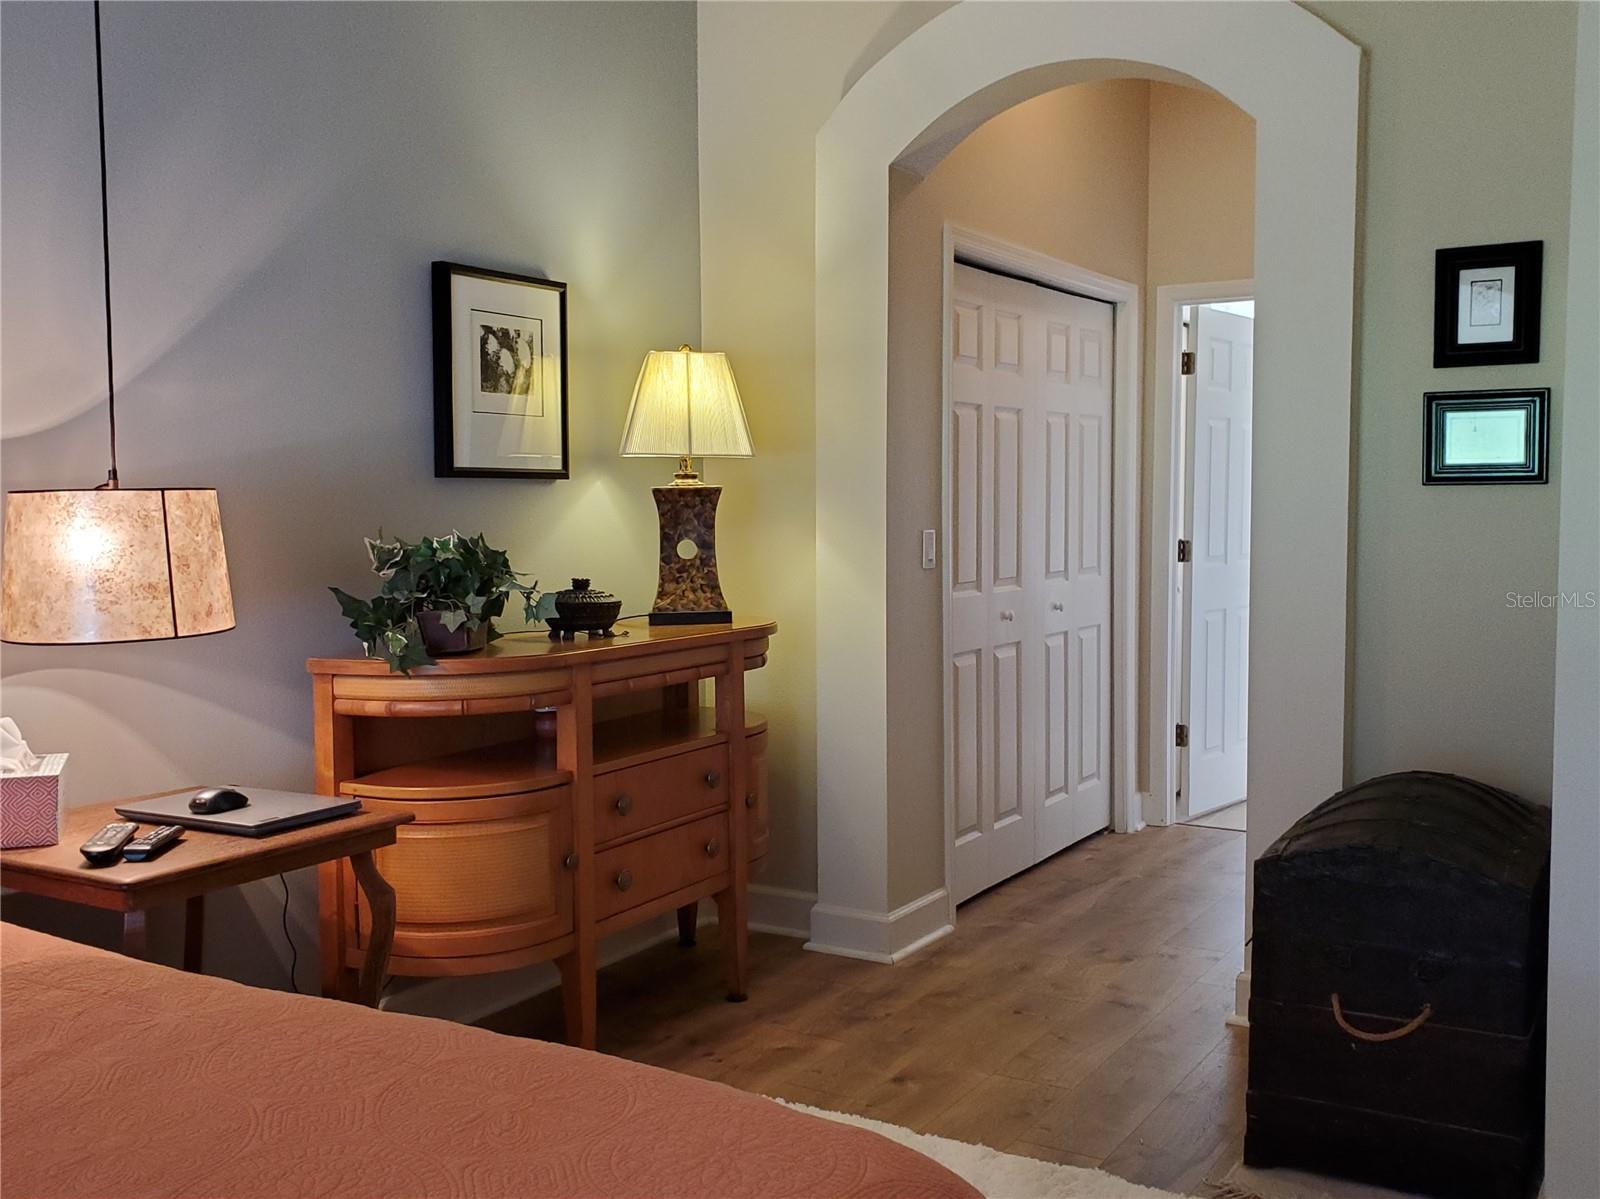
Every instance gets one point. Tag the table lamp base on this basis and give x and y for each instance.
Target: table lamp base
(688, 590)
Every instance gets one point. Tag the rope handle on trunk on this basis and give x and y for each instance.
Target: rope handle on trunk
(1394, 1034)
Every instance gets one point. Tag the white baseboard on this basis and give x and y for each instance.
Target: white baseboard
(881, 936)
(1241, 1001)
(780, 910)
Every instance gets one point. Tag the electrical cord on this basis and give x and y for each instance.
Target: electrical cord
(531, 631)
(294, 954)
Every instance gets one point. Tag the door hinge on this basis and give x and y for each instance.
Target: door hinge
(1182, 737)
(1185, 549)
(1186, 362)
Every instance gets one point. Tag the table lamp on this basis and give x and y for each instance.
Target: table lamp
(686, 406)
(107, 564)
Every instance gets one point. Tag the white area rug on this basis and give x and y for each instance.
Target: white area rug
(999, 1175)
(1248, 1182)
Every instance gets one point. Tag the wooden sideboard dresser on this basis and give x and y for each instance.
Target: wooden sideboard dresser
(537, 832)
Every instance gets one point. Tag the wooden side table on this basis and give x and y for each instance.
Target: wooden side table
(202, 862)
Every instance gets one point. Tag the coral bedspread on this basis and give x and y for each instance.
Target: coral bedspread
(126, 1079)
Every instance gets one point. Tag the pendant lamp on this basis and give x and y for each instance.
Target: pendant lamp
(108, 564)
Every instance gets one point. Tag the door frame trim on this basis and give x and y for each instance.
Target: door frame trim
(1166, 519)
(983, 250)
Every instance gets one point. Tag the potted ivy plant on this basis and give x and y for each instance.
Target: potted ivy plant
(440, 595)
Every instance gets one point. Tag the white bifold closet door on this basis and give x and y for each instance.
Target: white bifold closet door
(1029, 506)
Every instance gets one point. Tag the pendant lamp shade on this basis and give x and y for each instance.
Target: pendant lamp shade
(686, 405)
(142, 564)
(113, 564)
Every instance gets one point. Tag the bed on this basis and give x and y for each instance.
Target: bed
(121, 1078)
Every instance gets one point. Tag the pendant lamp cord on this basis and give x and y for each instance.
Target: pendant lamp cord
(105, 246)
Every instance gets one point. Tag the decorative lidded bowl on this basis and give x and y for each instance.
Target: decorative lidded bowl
(585, 609)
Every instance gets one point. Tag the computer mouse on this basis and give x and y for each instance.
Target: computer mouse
(217, 799)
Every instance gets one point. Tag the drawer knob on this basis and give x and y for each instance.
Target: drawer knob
(570, 861)
(624, 805)
(713, 777)
(712, 846)
(624, 880)
(750, 800)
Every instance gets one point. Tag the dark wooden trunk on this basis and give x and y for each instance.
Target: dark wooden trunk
(1407, 895)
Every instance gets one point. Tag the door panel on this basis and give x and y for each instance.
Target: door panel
(990, 676)
(1076, 602)
(1029, 512)
(1008, 531)
(1219, 571)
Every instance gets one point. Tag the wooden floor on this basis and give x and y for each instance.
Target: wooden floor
(1075, 1015)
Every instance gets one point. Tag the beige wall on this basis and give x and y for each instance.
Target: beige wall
(1149, 182)
(1202, 182)
(1202, 230)
(1065, 175)
(281, 176)
(769, 76)
(1443, 675)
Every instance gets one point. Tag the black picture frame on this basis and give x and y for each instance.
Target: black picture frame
(446, 372)
(1522, 343)
(1534, 466)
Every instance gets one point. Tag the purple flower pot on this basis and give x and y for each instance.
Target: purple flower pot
(438, 640)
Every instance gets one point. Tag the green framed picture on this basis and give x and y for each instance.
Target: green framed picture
(1486, 436)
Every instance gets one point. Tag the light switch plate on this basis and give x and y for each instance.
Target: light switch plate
(930, 549)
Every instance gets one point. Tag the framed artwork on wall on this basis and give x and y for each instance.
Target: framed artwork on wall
(499, 374)
(1486, 304)
(1486, 436)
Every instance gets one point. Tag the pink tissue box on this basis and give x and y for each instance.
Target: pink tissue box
(30, 805)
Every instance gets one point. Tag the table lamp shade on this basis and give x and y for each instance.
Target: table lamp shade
(113, 565)
(686, 405)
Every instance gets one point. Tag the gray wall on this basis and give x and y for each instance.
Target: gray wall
(1446, 675)
(281, 177)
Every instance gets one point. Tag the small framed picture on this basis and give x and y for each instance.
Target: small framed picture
(1487, 436)
(1486, 304)
(499, 374)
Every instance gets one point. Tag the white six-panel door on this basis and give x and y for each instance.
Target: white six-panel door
(1219, 572)
(1029, 499)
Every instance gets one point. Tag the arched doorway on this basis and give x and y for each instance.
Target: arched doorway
(1300, 80)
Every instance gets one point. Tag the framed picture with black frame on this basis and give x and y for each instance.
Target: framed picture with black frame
(1487, 436)
(499, 374)
(1486, 304)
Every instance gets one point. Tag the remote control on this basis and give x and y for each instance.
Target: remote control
(152, 844)
(105, 846)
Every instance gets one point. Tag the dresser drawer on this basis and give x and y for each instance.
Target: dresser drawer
(641, 797)
(481, 876)
(651, 867)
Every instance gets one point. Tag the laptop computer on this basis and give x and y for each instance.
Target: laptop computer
(267, 812)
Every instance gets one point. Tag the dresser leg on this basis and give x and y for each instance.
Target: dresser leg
(380, 899)
(688, 920)
(578, 994)
(732, 920)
